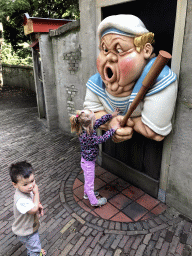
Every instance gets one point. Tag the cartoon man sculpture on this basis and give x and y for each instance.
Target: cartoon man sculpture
(126, 55)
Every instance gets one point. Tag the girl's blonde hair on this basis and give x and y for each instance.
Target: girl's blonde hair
(140, 41)
(81, 121)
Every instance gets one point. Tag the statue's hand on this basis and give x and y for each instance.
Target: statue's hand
(122, 133)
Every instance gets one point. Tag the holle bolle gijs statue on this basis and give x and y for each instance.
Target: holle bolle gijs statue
(125, 58)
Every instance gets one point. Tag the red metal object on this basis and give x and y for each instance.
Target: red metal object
(35, 45)
(41, 25)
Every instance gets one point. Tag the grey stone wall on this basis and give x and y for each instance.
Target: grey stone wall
(49, 83)
(68, 71)
(88, 37)
(179, 192)
(18, 76)
(74, 58)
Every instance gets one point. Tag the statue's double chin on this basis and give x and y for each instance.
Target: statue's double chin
(113, 87)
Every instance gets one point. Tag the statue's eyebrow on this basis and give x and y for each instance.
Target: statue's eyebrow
(112, 41)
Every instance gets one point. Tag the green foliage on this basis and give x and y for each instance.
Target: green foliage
(56, 9)
(21, 57)
(12, 15)
(72, 12)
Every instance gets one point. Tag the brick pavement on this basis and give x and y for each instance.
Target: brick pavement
(66, 228)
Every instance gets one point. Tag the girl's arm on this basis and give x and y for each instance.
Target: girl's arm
(102, 120)
(100, 139)
(105, 117)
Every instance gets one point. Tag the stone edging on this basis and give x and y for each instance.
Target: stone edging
(16, 66)
(150, 225)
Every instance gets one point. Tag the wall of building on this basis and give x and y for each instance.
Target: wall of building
(73, 61)
(179, 181)
(88, 38)
(18, 76)
(49, 82)
(68, 71)
(179, 191)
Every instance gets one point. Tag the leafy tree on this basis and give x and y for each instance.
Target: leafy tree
(8, 56)
(12, 14)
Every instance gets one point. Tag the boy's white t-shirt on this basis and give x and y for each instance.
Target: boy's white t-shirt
(24, 205)
(24, 224)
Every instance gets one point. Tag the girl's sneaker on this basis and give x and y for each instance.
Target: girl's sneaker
(101, 201)
(96, 194)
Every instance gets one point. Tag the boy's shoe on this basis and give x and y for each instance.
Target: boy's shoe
(96, 194)
(101, 201)
(43, 253)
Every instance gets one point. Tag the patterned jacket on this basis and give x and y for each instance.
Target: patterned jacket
(89, 143)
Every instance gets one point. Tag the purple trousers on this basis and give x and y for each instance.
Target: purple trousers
(89, 177)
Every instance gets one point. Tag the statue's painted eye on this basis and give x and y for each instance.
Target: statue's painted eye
(104, 48)
(119, 50)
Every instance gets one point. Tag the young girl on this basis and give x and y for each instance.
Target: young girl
(85, 124)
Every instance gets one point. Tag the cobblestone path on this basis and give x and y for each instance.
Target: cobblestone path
(66, 228)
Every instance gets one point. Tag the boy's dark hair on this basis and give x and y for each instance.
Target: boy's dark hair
(23, 169)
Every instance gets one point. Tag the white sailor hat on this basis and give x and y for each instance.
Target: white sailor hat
(123, 24)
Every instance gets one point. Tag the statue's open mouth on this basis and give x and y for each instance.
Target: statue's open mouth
(109, 73)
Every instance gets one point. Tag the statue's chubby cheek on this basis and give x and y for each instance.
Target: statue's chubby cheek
(126, 69)
(129, 70)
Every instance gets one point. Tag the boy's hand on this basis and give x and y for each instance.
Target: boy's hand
(36, 202)
(41, 211)
(35, 189)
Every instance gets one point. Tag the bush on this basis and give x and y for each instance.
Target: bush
(21, 57)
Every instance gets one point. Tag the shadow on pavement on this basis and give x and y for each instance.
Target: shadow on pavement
(16, 97)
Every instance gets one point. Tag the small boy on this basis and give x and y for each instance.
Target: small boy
(26, 207)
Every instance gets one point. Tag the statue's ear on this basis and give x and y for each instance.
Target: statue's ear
(147, 50)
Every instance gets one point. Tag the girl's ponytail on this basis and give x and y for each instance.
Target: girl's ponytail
(76, 125)
(81, 121)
